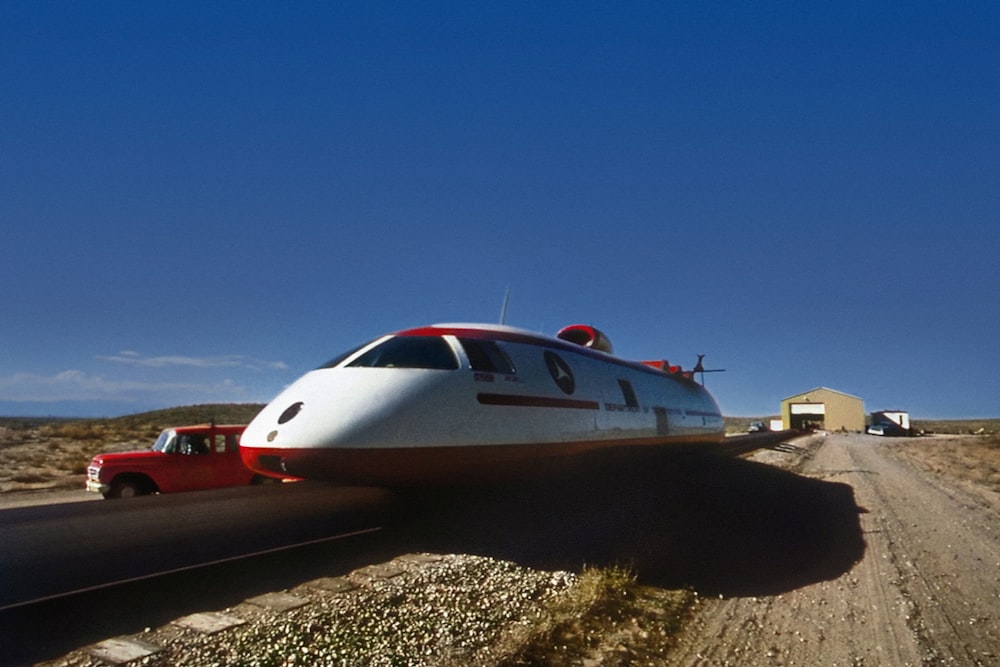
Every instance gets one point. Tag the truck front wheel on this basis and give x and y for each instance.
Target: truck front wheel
(127, 488)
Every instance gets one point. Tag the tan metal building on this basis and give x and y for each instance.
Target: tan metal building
(823, 408)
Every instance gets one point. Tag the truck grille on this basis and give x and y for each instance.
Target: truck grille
(93, 472)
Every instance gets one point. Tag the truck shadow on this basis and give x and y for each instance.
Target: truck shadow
(720, 525)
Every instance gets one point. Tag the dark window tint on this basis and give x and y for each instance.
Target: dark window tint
(486, 355)
(628, 393)
(409, 352)
(340, 357)
(195, 443)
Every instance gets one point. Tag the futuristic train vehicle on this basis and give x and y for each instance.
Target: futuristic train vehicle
(461, 402)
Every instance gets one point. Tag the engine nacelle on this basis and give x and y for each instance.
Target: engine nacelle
(587, 336)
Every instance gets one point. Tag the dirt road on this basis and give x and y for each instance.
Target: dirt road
(926, 592)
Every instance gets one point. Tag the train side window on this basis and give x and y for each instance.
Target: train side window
(486, 356)
(629, 393)
(431, 352)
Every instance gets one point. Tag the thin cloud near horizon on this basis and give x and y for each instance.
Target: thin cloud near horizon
(132, 358)
(75, 385)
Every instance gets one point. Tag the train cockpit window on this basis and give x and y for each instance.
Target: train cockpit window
(432, 352)
(339, 359)
(486, 356)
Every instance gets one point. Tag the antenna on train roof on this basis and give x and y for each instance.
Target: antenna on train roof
(700, 368)
(503, 310)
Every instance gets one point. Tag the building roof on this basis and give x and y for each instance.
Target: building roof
(822, 389)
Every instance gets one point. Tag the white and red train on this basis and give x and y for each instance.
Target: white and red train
(457, 402)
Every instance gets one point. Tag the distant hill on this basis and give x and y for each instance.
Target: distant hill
(220, 413)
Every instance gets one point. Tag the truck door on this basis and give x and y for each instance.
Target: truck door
(228, 466)
(195, 459)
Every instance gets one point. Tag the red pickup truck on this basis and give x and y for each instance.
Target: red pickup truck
(184, 458)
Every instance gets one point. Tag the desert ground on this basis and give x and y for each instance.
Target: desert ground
(924, 589)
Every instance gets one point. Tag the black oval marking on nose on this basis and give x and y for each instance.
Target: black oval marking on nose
(290, 412)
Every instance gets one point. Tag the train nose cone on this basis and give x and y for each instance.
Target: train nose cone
(290, 413)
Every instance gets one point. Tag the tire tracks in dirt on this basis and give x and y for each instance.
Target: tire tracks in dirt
(925, 592)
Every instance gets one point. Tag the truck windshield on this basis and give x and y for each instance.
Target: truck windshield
(166, 443)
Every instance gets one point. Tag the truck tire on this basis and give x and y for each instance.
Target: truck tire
(126, 488)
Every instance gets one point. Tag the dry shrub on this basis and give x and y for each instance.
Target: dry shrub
(606, 618)
(82, 430)
(972, 458)
(30, 478)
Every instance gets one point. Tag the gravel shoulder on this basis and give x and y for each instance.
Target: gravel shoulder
(925, 592)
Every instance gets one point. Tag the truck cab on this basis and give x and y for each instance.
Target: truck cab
(183, 458)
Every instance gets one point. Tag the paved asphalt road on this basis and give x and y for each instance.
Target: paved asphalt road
(55, 549)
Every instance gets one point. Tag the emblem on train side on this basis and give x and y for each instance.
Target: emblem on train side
(560, 372)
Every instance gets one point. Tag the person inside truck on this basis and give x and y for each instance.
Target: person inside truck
(194, 444)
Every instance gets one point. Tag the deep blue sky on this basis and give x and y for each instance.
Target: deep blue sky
(201, 201)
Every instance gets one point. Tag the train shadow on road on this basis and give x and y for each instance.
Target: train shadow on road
(718, 524)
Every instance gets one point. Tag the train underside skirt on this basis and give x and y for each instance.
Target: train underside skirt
(421, 466)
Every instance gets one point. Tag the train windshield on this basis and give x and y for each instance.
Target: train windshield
(339, 359)
(431, 352)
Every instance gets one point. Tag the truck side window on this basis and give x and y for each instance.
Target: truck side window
(193, 444)
(220, 444)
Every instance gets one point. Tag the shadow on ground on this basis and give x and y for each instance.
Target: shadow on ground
(718, 524)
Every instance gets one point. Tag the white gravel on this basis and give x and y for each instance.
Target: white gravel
(419, 609)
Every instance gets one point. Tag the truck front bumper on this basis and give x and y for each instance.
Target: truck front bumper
(97, 487)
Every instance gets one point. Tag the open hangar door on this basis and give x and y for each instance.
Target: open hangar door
(807, 415)
(824, 408)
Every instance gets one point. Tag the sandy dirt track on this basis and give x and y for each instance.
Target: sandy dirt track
(926, 592)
